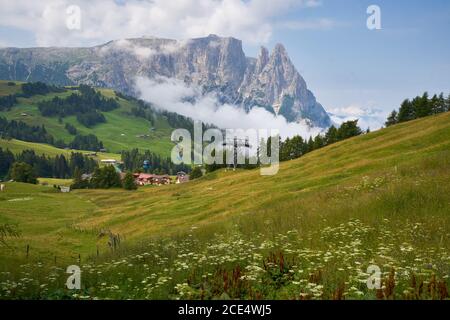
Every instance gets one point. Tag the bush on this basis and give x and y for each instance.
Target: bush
(105, 178)
(196, 173)
(128, 182)
(23, 172)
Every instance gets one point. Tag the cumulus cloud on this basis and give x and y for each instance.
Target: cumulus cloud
(372, 118)
(251, 20)
(175, 96)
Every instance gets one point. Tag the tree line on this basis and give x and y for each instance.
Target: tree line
(7, 102)
(21, 131)
(42, 165)
(29, 89)
(87, 106)
(419, 107)
(296, 146)
(133, 161)
(104, 178)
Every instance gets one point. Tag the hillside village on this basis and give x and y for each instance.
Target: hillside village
(142, 178)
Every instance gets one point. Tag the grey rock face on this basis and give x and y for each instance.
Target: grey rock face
(215, 64)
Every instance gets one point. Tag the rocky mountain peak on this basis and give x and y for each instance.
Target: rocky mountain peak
(262, 60)
(216, 64)
(280, 50)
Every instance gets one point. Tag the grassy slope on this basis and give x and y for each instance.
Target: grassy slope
(118, 122)
(225, 194)
(320, 184)
(17, 146)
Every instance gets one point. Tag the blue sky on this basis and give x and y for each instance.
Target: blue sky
(348, 64)
(350, 69)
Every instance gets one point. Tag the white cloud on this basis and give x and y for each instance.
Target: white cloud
(372, 118)
(103, 20)
(140, 52)
(175, 96)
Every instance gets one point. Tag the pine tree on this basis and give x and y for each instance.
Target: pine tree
(331, 135)
(318, 142)
(297, 146)
(128, 182)
(392, 119)
(348, 129)
(440, 107)
(422, 106)
(310, 144)
(406, 112)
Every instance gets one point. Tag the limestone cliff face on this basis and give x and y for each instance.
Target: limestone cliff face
(215, 64)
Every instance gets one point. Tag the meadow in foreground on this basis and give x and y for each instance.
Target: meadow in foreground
(316, 247)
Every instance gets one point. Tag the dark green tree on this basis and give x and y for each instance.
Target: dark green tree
(422, 106)
(331, 135)
(71, 129)
(406, 112)
(349, 129)
(6, 160)
(392, 119)
(128, 182)
(319, 142)
(310, 144)
(105, 178)
(196, 173)
(23, 172)
(438, 104)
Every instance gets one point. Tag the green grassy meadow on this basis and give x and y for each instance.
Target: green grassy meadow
(17, 146)
(309, 232)
(118, 133)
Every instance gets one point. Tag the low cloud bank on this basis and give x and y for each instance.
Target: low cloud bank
(175, 96)
(368, 117)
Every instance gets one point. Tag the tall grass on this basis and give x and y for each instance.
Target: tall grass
(316, 245)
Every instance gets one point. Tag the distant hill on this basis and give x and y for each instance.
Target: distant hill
(125, 128)
(17, 146)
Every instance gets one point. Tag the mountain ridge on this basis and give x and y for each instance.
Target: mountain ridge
(216, 64)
